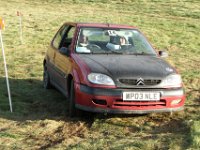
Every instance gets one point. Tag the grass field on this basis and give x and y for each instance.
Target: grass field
(39, 120)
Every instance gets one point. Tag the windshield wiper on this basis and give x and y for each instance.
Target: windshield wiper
(105, 52)
(119, 52)
(141, 53)
(114, 52)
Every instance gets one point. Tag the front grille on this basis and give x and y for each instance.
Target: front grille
(120, 102)
(150, 82)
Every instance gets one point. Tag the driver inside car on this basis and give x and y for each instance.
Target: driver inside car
(83, 43)
(83, 40)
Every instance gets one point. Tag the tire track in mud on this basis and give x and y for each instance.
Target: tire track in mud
(44, 134)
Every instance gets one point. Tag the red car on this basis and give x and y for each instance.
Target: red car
(111, 68)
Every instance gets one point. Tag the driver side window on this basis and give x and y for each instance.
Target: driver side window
(58, 38)
(67, 40)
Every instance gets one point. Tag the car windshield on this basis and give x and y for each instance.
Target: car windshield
(117, 41)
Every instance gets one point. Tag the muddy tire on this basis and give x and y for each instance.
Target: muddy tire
(46, 79)
(73, 112)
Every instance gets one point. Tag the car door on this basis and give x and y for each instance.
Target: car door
(54, 48)
(62, 61)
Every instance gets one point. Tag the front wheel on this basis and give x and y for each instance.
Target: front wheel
(72, 109)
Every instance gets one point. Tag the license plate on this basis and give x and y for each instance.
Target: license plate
(141, 96)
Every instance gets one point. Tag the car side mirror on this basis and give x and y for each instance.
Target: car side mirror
(64, 51)
(163, 54)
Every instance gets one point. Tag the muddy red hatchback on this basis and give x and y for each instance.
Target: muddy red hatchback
(111, 69)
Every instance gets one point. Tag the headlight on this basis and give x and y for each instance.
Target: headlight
(98, 78)
(173, 80)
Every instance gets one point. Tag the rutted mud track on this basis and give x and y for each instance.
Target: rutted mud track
(51, 133)
(42, 134)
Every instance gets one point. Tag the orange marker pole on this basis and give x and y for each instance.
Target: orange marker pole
(20, 25)
(5, 66)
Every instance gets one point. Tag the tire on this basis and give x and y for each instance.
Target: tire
(73, 112)
(46, 78)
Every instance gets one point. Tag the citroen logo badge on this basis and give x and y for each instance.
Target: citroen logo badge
(140, 81)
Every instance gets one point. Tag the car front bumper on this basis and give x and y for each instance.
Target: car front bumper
(110, 100)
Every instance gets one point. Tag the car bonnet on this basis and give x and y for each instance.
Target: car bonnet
(128, 66)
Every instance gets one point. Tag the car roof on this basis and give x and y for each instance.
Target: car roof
(103, 25)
